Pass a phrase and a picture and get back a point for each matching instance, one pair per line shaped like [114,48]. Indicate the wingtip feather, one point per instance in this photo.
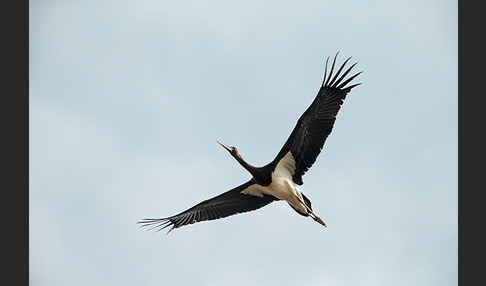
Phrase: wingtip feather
[332,69]
[325,72]
[343,85]
[339,71]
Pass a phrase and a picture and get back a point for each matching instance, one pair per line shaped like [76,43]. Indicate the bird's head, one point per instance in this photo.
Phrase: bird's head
[231,149]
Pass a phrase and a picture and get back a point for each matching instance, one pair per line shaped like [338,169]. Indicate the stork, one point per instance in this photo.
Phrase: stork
[279,179]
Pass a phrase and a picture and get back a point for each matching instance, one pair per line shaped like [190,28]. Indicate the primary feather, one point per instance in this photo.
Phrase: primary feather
[314,126]
[229,203]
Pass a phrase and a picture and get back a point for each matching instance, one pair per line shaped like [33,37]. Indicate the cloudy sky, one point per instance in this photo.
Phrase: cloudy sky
[128,98]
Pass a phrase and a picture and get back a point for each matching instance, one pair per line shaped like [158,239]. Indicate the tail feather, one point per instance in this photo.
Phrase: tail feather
[298,211]
[307,201]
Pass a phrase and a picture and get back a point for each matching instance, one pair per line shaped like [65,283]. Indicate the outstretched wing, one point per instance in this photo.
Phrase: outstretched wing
[305,143]
[228,203]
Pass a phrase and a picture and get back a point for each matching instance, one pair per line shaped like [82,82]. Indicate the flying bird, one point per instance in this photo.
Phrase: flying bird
[278,180]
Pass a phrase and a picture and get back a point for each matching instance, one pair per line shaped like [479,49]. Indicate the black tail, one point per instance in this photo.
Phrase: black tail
[307,201]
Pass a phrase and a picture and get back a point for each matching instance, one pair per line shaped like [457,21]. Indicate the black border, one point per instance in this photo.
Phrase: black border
[15,120]
[460,105]
[471,144]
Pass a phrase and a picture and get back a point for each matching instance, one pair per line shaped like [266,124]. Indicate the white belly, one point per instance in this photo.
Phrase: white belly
[284,189]
[281,188]
[282,185]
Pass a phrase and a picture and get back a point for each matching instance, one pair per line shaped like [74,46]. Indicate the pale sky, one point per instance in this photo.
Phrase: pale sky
[128,98]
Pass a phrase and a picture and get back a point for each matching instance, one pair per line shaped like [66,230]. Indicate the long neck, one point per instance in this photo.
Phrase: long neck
[252,169]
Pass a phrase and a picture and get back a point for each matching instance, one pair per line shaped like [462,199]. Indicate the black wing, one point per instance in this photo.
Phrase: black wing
[308,137]
[228,203]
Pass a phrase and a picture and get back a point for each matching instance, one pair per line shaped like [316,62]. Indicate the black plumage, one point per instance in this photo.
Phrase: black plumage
[228,203]
[304,145]
[316,123]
